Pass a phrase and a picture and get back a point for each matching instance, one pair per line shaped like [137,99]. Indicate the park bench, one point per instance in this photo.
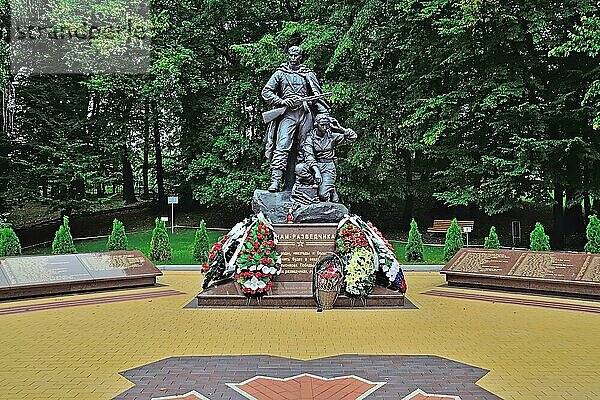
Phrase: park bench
[442,225]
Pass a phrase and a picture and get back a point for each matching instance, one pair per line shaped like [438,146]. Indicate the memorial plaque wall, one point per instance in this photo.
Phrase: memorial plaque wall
[39,275]
[301,246]
[562,272]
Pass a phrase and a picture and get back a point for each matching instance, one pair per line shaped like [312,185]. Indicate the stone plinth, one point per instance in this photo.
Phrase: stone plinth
[300,247]
[293,295]
[275,207]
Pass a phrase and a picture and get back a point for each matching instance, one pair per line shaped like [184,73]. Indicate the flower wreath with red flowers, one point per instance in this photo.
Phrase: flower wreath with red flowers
[221,257]
[257,262]
[214,253]
[350,236]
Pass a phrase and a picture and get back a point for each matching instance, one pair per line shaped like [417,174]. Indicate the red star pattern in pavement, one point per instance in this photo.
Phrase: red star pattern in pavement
[306,387]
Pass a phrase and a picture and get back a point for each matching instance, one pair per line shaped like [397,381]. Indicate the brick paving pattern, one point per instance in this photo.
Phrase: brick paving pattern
[87,302]
[77,351]
[210,375]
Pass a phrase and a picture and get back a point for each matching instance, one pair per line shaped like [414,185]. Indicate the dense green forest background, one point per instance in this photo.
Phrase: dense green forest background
[489,105]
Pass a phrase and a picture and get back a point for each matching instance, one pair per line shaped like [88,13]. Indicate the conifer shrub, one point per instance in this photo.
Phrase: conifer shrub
[414,247]
[593,235]
[63,241]
[492,241]
[160,246]
[538,240]
[454,240]
[201,244]
[118,238]
[9,241]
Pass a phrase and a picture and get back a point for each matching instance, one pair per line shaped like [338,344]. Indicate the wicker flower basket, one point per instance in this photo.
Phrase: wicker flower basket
[327,298]
[327,282]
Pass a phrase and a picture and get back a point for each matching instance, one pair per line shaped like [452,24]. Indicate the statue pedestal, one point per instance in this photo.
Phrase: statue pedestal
[300,247]
[275,207]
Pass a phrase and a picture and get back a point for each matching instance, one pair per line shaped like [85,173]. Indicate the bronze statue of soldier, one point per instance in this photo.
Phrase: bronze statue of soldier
[293,88]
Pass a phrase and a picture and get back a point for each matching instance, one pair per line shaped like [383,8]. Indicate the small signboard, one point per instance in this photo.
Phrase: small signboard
[164,219]
[173,200]
[516,232]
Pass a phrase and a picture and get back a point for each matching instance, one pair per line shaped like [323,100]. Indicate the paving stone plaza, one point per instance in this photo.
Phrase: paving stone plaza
[145,343]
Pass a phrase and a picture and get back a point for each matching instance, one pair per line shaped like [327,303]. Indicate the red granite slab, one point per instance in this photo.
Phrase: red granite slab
[301,246]
[554,272]
[27,276]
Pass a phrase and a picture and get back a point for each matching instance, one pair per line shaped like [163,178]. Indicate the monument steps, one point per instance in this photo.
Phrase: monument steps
[292,295]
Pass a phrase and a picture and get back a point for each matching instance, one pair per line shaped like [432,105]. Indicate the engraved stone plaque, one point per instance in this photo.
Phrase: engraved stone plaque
[38,275]
[564,272]
[3,280]
[301,246]
[116,264]
[43,269]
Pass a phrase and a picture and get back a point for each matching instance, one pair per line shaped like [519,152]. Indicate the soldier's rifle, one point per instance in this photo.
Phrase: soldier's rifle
[270,115]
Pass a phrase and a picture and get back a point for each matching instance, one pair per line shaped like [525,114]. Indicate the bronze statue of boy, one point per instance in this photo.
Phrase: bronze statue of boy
[320,162]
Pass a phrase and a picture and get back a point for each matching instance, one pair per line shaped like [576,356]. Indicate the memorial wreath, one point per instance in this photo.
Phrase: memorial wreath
[257,262]
[365,251]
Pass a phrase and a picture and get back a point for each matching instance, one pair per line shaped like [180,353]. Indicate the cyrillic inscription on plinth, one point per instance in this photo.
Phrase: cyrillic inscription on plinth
[300,247]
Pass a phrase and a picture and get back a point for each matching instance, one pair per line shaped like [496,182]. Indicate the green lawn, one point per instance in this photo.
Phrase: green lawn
[182,242]
[432,254]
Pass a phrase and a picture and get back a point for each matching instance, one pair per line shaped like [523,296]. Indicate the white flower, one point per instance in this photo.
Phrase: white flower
[393,271]
[255,283]
[269,270]
[252,268]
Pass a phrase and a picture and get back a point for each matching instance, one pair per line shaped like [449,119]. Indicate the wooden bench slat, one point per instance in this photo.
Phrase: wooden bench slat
[442,225]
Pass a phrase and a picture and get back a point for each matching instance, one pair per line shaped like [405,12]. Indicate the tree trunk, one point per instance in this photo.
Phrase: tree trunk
[44,185]
[573,215]
[128,180]
[128,188]
[587,207]
[409,197]
[100,192]
[145,163]
[595,206]
[78,189]
[557,239]
[158,156]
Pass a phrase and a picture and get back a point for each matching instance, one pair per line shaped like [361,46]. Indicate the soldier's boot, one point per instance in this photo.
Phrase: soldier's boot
[276,178]
[334,196]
